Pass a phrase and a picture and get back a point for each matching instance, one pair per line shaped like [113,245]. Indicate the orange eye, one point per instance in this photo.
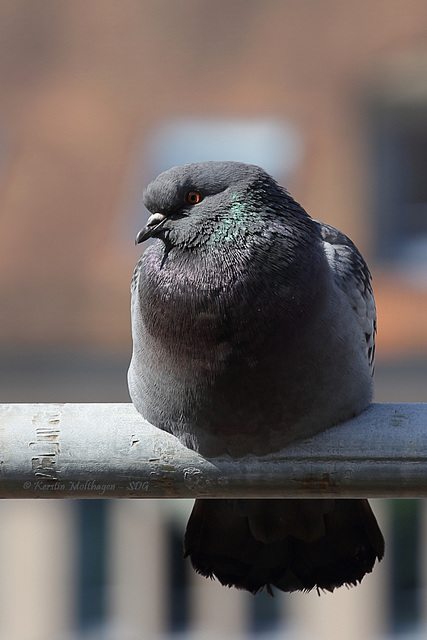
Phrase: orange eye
[193,197]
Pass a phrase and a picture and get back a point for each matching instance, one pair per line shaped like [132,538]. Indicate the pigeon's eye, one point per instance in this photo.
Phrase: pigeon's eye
[193,197]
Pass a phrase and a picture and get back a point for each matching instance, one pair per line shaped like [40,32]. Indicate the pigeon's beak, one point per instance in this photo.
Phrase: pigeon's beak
[154,222]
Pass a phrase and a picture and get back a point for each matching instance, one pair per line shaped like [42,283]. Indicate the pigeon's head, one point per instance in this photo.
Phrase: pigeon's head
[216,199]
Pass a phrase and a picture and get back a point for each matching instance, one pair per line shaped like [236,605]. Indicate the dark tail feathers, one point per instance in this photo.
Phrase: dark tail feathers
[294,545]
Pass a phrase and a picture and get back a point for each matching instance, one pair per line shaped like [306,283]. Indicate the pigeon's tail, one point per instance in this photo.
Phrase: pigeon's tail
[294,545]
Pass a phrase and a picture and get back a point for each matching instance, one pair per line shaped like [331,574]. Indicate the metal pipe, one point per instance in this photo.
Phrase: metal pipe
[109,451]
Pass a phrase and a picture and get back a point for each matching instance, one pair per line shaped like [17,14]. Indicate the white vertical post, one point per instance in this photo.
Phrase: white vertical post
[217,612]
[358,613]
[138,570]
[37,578]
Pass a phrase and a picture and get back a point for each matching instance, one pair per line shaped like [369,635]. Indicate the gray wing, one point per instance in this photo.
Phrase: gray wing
[352,275]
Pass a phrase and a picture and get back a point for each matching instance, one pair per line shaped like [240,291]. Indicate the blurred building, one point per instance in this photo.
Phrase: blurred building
[96,98]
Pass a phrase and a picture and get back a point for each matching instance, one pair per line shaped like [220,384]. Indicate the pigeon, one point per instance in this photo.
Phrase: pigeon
[253,326]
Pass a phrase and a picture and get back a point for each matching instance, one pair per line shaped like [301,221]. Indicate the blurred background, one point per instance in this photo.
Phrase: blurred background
[95,99]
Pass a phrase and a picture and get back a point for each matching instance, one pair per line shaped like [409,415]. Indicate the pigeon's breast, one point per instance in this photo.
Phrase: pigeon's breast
[218,309]
[223,353]
[192,303]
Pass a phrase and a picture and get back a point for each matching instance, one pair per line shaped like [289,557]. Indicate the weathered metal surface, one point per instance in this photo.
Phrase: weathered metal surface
[109,451]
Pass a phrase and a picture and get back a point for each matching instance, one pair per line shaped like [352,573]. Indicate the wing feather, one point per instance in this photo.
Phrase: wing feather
[352,275]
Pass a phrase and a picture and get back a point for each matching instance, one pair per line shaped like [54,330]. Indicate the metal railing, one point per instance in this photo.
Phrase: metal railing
[109,451]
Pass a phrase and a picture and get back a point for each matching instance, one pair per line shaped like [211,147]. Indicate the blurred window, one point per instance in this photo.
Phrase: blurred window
[270,143]
[400,186]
